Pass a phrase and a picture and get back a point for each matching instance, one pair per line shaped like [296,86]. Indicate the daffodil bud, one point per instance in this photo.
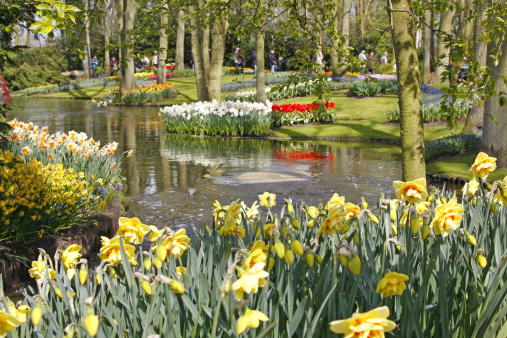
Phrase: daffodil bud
[37,313]
[295,223]
[145,285]
[279,248]
[503,191]
[372,217]
[487,186]
[493,208]
[157,262]
[271,263]
[71,273]
[364,204]
[482,260]
[443,200]
[470,238]
[297,247]
[414,221]
[58,292]
[425,230]
[290,207]
[225,288]
[91,322]
[398,247]
[354,264]
[319,259]
[392,212]
[160,251]
[474,201]
[431,196]
[345,227]
[147,263]
[343,260]
[83,273]
[310,258]
[289,257]
[285,227]
[356,237]
[394,229]
[176,287]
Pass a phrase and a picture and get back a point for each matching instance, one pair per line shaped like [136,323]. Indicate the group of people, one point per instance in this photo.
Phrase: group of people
[239,61]
[139,63]
[371,61]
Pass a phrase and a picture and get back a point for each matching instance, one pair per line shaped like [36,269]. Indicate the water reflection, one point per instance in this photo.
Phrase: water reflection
[175,179]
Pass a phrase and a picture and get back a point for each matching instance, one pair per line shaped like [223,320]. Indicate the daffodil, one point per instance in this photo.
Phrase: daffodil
[421,207]
[251,280]
[501,197]
[336,200]
[38,270]
[393,283]
[412,192]
[132,230]
[177,244]
[335,219]
[251,318]
[447,217]
[364,325]
[155,232]
[352,210]
[471,187]
[70,257]
[483,165]
[8,322]
[110,251]
[267,200]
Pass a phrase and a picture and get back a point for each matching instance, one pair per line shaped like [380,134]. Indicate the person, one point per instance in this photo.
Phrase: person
[383,59]
[146,61]
[462,75]
[191,60]
[154,60]
[371,63]
[272,60]
[362,58]
[241,63]
[95,64]
[283,65]
[138,64]
[254,61]
[112,65]
[236,61]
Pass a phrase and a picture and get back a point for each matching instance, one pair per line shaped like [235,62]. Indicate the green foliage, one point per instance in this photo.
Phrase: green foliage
[433,112]
[187,72]
[452,145]
[80,84]
[27,76]
[372,87]
[54,14]
[12,13]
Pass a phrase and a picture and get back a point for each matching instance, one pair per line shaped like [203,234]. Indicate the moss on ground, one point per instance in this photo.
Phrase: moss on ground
[459,166]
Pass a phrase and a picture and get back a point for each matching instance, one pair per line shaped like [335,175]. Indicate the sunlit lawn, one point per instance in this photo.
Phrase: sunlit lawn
[459,166]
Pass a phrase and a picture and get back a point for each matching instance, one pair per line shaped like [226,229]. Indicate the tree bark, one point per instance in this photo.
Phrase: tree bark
[179,59]
[107,60]
[446,20]
[200,75]
[476,114]
[260,85]
[335,45]
[494,137]
[214,75]
[409,90]
[427,40]
[347,6]
[162,56]
[87,58]
[126,37]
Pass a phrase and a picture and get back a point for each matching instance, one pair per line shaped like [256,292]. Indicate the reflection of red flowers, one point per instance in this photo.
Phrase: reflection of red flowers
[303,108]
[306,154]
[5,97]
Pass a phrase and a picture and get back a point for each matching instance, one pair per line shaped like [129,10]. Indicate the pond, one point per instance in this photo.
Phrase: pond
[175,179]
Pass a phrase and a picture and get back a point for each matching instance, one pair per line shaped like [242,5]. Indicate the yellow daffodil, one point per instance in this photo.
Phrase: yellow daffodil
[251,318]
[471,187]
[412,192]
[132,230]
[251,280]
[155,232]
[352,210]
[110,251]
[37,313]
[267,200]
[176,247]
[501,197]
[364,325]
[393,283]
[258,254]
[336,217]
[447,217]
[483,165]
[421,207]
[70,256]
[336,200]
[38,270]
[8,323]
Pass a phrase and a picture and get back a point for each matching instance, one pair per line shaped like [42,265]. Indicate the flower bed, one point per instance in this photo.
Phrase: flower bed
[377,76]
[154,76]
[452,145]
[218,118]
[370,88]
[433,113]
[138,76]
[51,182]
[187,72]
[420,266]
[233,86]
[143,94]
[289,114]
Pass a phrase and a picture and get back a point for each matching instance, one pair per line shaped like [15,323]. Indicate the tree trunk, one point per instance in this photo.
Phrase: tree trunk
[446,20]
[409,90]
[347,6]
[162,56]
[200,75]
[107,60]
[335,45]
[214,75]
[260,95]
[179,59]
[87,58]
[494,137]
[205,49]
[476,114]
[426,77]
[126,37]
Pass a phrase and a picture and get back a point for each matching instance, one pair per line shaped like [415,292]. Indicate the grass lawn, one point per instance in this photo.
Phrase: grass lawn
[85,93]
[458,166]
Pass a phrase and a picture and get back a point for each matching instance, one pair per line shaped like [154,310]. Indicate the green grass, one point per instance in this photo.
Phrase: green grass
[85,93]
[458,166]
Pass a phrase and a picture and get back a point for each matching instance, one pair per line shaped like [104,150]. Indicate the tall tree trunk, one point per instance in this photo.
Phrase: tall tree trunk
[433,43]
[126,37]
[260,85]
[427,76]
[214,75]
[107,60]
[494,137]
[205,49]
[467,25]
[162,56]
[179,59]
[200,75]
[476,114]
[347,6]
[409,90]
[87,58]
[446,20]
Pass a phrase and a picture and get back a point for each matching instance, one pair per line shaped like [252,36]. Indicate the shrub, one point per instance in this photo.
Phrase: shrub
[67,87]
[308,273]
[452,145]
[187,72]
[26,76]
[433,113]
[369,88]
[218,118]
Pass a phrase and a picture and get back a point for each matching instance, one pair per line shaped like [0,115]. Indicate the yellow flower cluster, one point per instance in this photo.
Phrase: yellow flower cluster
[150,89]
[136,75]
